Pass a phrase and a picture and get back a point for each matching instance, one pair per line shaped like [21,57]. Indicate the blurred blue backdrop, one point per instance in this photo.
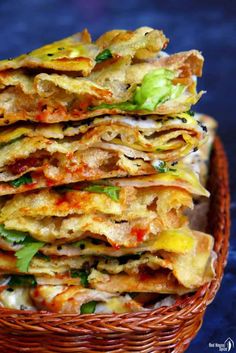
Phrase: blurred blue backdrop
[205,25]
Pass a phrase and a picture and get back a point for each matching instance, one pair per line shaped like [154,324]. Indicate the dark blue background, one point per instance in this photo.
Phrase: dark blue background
[205,25]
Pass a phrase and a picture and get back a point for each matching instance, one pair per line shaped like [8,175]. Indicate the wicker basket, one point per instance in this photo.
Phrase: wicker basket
[167,329]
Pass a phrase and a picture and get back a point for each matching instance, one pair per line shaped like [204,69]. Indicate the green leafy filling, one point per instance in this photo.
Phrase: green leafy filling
[162,167]
[25,255]
[22,280]
[29,249]
[13,236]
[104,55]
[83,275]
[112,191]
[156,88]
[88,308]
[24,179]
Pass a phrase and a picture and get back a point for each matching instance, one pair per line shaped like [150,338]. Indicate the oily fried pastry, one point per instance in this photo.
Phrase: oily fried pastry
[67,300]
[88,80]
[123,212]
[101,164]
[199,262]
[66,54]
[100,148]
[73,299]
[175,251]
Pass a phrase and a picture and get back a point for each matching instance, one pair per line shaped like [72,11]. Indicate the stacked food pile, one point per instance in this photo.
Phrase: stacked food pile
[93,188]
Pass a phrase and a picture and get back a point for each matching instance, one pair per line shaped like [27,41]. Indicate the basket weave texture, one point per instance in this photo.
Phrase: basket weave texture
[166,329]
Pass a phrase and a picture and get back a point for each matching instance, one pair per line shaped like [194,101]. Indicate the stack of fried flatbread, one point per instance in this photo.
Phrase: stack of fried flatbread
[94,183]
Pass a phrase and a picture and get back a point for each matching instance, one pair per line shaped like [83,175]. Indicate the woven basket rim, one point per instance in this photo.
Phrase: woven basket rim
[126,322]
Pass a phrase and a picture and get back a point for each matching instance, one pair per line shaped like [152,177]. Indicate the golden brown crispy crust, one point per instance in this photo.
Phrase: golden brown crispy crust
[132,202]
[69,299]
[157,272]
[179,177]
[198,261]
[66,299]
[160,282]
[99,148]
[77,52]
[63,95]
[59,55]
[143,43]
[136,240]
[166,139]
[92,164]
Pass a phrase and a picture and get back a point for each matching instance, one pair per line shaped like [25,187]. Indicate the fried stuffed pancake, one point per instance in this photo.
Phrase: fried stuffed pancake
[64,299]
[70,237]
[35,156]
[75,78]
[163,271]
[95,194]
[124,211]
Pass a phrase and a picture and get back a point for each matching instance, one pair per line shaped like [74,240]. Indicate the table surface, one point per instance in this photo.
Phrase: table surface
[205,25]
